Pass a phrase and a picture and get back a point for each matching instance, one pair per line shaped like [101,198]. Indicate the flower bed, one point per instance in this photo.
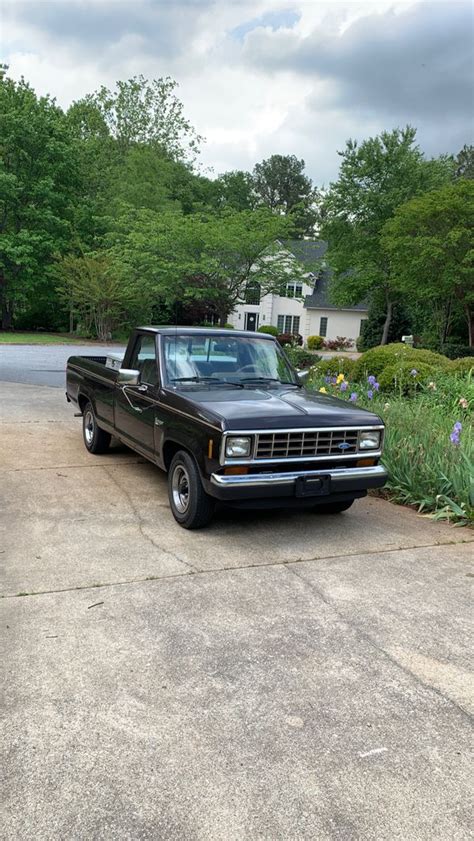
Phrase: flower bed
[429,440]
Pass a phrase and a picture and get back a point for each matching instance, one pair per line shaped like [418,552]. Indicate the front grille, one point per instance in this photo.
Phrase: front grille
[326,442]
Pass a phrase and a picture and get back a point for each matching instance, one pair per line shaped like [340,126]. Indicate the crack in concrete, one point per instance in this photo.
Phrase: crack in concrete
[214,570]
[141,523]
[71,466]
[370,640]
[46,420]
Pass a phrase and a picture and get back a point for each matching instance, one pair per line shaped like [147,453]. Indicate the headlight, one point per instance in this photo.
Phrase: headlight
[369,440]
[238,447]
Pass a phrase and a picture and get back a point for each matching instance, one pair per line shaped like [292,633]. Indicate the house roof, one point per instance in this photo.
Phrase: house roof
[306,250]
[319,299]
[309,251]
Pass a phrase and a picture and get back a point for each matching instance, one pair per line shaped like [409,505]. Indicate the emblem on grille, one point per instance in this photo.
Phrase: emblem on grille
[344,445]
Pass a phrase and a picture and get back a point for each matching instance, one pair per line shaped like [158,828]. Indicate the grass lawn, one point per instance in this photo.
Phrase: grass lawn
[12,338]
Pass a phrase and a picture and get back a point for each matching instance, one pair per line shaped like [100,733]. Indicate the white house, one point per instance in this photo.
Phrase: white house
[305,308]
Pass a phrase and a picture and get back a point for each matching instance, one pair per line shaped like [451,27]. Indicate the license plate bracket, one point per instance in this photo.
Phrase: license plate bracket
[312,486]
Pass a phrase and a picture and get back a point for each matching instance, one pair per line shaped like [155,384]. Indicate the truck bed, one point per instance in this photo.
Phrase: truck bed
[91,374]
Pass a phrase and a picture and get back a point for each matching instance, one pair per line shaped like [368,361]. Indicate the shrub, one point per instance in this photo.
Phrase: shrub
[456,350]
[292,339]
[228,326]
[339,343]
[462,366]
[268,328]
[403,377]
[374,361]
[315,342]
[333,367]
[300,358]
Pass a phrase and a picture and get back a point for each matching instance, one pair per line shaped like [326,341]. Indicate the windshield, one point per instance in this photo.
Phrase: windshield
[235,360]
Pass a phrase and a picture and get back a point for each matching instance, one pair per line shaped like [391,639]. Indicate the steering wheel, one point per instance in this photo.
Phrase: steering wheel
[248,369]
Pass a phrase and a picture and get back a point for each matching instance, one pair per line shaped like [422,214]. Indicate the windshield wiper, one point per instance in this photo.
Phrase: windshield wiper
[206,380]
[267,380]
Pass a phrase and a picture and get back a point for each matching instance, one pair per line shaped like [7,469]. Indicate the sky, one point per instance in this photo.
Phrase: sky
[264,77]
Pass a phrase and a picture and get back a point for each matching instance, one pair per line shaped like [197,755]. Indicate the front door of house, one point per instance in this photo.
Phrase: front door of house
[251,320]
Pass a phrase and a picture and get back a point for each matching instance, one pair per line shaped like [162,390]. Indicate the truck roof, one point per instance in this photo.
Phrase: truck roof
[169,330]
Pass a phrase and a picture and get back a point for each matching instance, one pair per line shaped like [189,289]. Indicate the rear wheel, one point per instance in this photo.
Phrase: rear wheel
[191,506]
[96,440]
[334,507]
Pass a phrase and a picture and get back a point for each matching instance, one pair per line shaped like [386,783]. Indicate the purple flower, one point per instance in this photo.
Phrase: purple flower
[376,386]
[353,397]
[455,434]
[333,380]
[343,386]
[327,380]
[413,372]
[370,394]
[371,380]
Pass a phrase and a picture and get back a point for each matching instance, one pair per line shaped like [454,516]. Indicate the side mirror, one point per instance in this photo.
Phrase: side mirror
[303,375]
[128,376]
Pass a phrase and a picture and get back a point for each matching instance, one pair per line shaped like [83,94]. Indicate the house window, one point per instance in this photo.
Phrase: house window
[252,292]
[288,323]
[323,326]
[294,289]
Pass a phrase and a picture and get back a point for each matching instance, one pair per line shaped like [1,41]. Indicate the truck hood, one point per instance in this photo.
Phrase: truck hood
[278,408]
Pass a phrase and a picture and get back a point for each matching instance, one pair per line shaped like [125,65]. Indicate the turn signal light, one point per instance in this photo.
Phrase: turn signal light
[235,471]
[365,462]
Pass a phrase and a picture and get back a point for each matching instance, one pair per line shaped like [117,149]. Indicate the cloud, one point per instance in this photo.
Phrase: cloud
[259,77]
[415,65]
[89,26]
[286,18]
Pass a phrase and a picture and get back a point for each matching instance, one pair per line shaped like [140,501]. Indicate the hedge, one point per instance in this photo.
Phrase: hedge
[374,361]
[315,342]
[268,328]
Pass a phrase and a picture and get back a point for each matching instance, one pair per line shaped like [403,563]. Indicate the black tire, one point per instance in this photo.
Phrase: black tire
[334,507]
[96,440]
[191,506]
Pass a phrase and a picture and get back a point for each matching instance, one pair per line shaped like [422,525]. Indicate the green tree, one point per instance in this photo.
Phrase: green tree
[235,190]
[374,179]
[205,257]
[280,184]
[464,162]
[38,187]
[97,290]
[143,111]
[430,245]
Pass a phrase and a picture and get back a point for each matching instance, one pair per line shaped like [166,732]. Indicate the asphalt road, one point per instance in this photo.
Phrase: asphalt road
[279,676]
[44,364]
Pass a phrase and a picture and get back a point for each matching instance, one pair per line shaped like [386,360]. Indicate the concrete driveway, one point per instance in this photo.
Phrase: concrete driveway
[278,676]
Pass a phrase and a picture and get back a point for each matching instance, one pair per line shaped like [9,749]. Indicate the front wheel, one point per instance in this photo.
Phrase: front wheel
[191,506]
[334,507]
[97,440]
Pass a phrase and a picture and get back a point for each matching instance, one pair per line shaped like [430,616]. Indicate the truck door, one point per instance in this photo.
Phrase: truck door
[135,406]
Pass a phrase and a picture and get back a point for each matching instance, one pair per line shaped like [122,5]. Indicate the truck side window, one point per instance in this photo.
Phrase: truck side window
[144,359]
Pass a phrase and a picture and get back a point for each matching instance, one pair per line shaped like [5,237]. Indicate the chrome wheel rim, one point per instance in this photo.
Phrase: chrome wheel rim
[89,427]
[180,488]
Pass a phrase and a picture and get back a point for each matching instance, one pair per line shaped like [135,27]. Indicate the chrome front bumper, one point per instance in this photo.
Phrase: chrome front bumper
[343,480]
